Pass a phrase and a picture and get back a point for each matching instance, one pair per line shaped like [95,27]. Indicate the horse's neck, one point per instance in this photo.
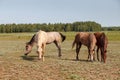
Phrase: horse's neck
[31,43]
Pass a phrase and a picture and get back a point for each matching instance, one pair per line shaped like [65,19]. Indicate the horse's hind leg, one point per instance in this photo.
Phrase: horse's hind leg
[59,48]
[78,46]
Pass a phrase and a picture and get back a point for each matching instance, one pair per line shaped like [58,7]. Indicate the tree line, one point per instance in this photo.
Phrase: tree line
[114,28]
[65,27]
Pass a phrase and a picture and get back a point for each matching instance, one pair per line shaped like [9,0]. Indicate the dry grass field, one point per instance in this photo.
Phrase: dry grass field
[15,66]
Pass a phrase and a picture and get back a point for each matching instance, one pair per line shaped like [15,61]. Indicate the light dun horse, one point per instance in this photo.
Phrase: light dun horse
[87,39]
[102,42]
[42,38]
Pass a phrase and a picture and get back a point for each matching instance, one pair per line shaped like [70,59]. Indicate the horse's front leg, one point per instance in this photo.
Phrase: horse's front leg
[94,54]
[39,52]
[39,55]
[105,56]
[43,51]
[91,52]
[91,56]
[88,54]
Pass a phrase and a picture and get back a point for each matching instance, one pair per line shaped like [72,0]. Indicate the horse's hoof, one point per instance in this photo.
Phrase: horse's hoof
[59,55]
[91,60]
[88,60]
[25,54]
[77,59]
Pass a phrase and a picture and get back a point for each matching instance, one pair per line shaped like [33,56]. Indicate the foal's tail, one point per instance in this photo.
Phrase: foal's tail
[63,37]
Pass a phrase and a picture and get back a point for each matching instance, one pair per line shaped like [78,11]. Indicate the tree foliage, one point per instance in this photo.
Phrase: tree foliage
[76,26]
[114,28]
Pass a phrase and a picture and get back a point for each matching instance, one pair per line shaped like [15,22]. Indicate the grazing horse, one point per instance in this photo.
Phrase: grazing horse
[87,39]
[41,38]
[102,42]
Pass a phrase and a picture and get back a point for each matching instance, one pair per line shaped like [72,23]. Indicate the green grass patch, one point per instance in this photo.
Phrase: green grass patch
[112,36]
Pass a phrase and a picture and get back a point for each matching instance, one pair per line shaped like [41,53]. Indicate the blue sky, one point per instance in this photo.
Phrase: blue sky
[105,12]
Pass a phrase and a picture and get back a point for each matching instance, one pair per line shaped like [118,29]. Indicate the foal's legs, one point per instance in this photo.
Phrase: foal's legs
[78,46]
[59,48]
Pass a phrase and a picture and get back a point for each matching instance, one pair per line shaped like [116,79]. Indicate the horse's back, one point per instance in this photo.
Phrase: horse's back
[85,38]
[53,36]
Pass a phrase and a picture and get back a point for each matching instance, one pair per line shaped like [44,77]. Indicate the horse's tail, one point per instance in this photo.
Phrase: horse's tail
[63,37]
[73,44]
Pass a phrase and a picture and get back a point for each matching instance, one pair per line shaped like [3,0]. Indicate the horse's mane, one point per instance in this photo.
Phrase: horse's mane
[63,37]
[32,39]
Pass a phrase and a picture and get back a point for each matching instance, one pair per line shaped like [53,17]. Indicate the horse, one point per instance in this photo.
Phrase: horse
[87,39]
[42,38]
[102,42]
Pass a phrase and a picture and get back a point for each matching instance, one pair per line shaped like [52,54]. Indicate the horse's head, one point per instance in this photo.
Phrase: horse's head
[28,48]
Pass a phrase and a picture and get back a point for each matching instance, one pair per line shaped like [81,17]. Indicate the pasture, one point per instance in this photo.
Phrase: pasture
[15,66]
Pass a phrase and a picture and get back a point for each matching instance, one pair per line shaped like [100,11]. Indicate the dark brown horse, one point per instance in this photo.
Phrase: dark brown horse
[87,39]
[102,43]
[41,38]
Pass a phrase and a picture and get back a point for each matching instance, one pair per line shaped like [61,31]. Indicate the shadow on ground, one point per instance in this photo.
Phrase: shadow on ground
[29,58]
